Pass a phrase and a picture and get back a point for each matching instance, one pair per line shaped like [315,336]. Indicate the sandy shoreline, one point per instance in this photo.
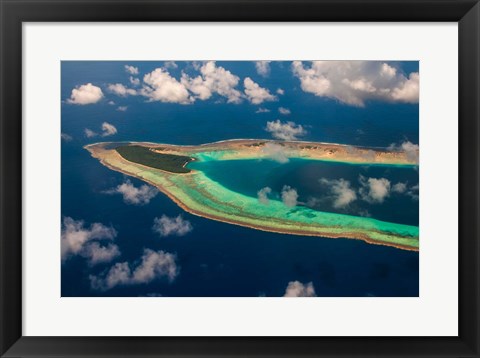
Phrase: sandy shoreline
[245,148]
[258,148]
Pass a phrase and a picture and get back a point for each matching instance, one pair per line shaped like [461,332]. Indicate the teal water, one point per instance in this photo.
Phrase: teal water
[247,177]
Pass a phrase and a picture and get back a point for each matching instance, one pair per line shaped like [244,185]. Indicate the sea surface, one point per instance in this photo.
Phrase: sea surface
[219,259]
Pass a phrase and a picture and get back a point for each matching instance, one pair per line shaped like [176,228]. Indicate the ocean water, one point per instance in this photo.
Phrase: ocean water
[218,259]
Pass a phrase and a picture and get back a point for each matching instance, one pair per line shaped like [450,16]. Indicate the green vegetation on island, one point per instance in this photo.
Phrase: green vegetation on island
[145,156]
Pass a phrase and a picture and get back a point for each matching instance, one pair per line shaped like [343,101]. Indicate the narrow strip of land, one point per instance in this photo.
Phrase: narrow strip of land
[163,166]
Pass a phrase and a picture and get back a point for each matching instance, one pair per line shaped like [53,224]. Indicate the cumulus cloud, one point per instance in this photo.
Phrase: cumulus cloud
[122,108]
[213,79]
[280,91]
[96,253]
[76,239]
[413,192]
[255,93]
[342,193]
[408,90]
[368,155]
[66,137]
[170,64]
[399,188]
[160,86]
[354,82]
[298,289]
[284,111]
[89,133]
[153,265]
[289,196]
[111,103]
[121,90]
[285,131]
[262,195]
[85,94]
[131,70]
[134,195]
[262,110]
[374,190]
[263,68]
[166,226]
[275,152]
[411,150]
[134,81]
[108,129]
[196,65]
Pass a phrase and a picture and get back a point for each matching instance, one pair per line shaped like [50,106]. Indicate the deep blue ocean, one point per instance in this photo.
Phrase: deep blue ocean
[218,259]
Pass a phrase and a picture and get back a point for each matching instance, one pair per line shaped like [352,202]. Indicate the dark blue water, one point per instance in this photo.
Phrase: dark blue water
[218,259]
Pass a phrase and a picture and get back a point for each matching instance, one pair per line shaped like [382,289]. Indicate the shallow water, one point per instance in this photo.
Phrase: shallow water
[249,176]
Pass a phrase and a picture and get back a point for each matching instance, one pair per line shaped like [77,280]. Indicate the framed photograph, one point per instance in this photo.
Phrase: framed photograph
[239,178]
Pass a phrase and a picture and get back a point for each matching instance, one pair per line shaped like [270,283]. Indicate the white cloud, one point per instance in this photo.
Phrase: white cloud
[354,82]
[89,133]
[289,196]
[413,192]
[374,190]
[155,264]
[97,254]
[262,195]
[196,65]
[399,188]
[343,194]
[85,94]
[134,195]
[298,289]
[121,90]
[152,266]
[213,79]
[275,152]
[255,93]
[131,70]
[118,274]
[262,110]
[403,188]
[160,86]
[66,137]
[368,155]
[134,81]
[122,108]
[411,150]
[166,226]
[170,64]
[285,131]
[201,88]
[280,91]
[387,71]
[108,129]
[284,111]
[408,90]
[76,239]
[263,68]
[111,103]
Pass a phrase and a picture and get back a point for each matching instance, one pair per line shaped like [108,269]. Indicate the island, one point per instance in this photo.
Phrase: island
[165,166]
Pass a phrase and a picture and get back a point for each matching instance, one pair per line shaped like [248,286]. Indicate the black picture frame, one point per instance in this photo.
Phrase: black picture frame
[15,12]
